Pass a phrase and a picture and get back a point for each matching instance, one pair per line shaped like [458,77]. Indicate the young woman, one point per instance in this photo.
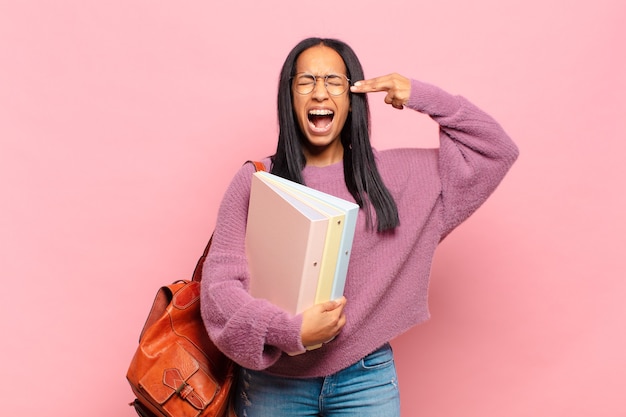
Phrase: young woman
[410,200]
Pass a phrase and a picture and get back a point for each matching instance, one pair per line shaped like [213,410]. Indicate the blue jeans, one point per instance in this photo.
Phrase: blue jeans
[367,388]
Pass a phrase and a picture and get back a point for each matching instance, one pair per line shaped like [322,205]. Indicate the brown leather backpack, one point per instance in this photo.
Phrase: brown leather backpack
[177,371]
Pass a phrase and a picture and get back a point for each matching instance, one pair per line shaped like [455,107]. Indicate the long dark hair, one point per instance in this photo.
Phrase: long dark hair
[360,171]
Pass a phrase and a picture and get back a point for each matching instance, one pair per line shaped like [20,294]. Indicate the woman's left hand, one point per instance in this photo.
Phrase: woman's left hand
[397,87]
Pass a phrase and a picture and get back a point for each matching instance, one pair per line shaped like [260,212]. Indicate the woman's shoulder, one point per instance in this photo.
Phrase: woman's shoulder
[248,168]
[241,180]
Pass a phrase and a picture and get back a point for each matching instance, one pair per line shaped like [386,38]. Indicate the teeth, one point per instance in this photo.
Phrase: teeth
[320,112]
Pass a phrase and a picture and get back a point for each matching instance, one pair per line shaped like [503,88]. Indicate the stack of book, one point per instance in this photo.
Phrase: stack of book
[298,242]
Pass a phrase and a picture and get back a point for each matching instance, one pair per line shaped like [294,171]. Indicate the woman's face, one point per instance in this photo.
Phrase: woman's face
[321,115]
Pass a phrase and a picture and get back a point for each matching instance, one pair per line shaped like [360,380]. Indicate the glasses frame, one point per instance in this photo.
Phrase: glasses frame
[325,78]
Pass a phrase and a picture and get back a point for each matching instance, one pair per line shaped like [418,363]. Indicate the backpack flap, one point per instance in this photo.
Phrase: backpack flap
[184,390]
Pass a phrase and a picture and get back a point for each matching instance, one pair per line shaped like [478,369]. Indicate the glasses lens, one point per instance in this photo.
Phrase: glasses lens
[304,83]
[336,84]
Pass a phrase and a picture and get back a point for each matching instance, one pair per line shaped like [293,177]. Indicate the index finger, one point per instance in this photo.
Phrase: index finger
[372,85]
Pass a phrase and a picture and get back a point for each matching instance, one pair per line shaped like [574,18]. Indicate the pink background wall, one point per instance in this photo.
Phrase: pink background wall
[121,123]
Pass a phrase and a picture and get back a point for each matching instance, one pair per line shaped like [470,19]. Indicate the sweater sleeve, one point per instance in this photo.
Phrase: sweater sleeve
[252,332]
[474,152]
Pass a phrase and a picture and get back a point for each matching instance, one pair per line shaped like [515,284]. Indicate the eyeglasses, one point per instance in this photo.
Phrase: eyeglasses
[336,84]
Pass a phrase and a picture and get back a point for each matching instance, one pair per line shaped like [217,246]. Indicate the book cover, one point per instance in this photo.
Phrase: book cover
[349,209]
[285,241]
[334,234]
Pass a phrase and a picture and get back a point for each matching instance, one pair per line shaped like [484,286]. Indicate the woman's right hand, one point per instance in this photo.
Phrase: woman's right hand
[322,322]
[397,87]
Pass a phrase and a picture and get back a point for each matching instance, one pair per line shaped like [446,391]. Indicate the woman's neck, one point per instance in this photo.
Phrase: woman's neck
[321,157]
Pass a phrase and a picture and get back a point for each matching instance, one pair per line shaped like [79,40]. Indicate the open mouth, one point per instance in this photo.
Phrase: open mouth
[320,119]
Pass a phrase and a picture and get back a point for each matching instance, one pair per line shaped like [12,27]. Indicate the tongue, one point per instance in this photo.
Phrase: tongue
[321,121]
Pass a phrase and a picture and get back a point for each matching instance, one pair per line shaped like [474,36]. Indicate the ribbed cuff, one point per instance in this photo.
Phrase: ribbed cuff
[283,331]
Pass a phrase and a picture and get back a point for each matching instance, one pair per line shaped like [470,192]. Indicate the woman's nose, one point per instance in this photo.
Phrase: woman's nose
[319,91]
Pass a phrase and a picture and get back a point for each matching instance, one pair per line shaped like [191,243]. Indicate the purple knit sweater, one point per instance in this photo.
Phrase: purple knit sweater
[388,275]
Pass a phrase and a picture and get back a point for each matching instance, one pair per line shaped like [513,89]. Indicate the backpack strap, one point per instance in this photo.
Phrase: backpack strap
[259,166]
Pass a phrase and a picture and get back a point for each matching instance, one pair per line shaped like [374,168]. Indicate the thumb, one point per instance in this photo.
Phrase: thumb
[334,304]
